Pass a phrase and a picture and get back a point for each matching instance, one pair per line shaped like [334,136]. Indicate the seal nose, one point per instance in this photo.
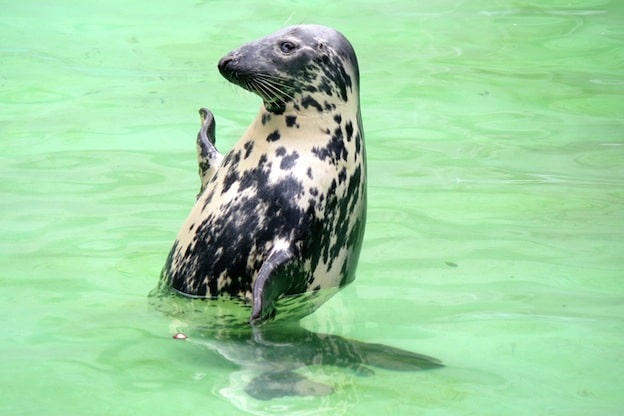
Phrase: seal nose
[224,63]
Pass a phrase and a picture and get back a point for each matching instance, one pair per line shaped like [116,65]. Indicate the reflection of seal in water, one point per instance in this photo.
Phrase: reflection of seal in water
[273,358]
[283,213]
[285,359]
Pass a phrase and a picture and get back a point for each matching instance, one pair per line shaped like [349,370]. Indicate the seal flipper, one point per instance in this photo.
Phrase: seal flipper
[208,157]
[267,286]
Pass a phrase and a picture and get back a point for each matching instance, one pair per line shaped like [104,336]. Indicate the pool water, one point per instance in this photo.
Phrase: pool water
[495,236]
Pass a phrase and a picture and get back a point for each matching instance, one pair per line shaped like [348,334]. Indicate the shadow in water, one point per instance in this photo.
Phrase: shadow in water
[277,351]
[274,356]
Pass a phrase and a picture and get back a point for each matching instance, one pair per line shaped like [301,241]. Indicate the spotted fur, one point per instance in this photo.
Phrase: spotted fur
[284,211]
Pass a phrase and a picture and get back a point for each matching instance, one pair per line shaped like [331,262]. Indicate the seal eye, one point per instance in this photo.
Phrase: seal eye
[287,46]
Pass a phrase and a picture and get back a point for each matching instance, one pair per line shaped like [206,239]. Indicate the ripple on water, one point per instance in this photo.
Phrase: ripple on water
[607,81]
[35,95]
[84,173]
[532,27]
[594,105]
[400,144]
[517,125]
[578,43]
[571,6]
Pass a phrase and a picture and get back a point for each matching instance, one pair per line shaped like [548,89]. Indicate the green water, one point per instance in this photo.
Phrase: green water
[495,240]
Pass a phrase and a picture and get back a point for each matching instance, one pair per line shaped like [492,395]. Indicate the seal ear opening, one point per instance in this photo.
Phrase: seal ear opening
[269,285]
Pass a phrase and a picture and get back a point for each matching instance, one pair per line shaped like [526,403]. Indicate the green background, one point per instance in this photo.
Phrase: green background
[495,141]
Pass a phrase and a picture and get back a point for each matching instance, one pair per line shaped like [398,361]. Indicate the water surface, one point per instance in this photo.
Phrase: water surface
[495,134]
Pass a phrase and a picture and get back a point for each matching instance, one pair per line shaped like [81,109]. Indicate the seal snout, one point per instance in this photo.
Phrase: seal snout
[233,68]
[225,64]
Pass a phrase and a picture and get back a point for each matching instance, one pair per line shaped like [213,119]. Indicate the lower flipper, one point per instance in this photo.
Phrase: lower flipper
[391,358]
[208,157]
[268,286]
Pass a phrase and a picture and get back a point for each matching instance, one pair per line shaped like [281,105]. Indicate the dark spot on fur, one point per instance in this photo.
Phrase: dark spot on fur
[335,148]
[338,133]
[232,159]
[266,117]
[273,136]
[326,86]
[204,166]
[291,121]
[309,101]
[231,177]
[248,148]
[289,161]
[342,176]
[349,130]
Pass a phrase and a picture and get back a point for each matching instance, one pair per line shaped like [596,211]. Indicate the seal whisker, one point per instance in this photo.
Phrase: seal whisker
[253,86]
[274,91]
[260,88]
[269,81]
[278,92]
[274,78]
[279,84]
[277,88]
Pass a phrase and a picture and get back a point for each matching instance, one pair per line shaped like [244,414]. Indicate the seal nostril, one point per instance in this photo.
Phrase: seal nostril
[225,62]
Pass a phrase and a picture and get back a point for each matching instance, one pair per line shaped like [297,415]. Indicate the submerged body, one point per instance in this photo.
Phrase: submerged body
[273,361]
[283,213]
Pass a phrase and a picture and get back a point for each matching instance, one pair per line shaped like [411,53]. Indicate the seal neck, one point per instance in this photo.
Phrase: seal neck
[312,106]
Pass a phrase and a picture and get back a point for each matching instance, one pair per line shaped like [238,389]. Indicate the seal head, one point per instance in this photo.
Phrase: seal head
[292,62]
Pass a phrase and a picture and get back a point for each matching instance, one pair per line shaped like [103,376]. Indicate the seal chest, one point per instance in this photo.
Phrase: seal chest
[283,213]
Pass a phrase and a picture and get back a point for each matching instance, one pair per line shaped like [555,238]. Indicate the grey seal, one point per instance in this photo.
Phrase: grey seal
[283,213]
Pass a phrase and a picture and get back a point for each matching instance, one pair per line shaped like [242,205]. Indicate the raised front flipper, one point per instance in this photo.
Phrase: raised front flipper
[208,158]
[269,285]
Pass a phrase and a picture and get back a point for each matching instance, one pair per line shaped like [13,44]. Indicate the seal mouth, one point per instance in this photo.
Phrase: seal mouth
[274,90]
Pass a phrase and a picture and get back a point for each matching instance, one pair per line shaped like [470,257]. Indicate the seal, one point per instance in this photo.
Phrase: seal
[284,212]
